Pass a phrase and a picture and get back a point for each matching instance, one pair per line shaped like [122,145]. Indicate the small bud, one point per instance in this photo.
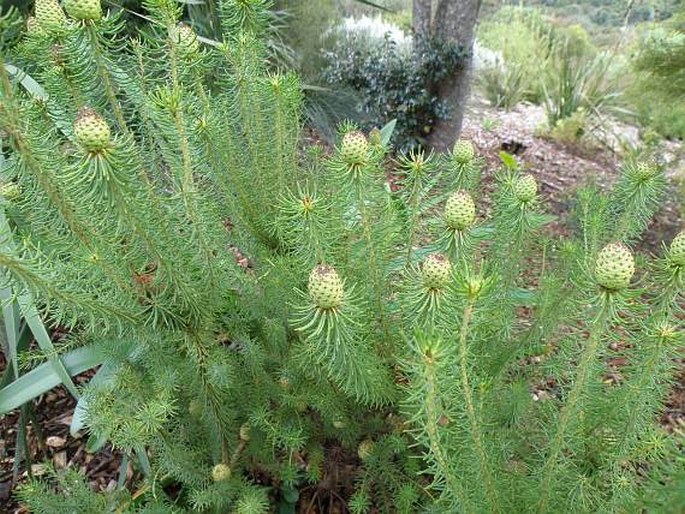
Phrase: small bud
[245,430]
[82,10]
[307,203]
[375,137]
[463,152]
[195,408]
[91,130]
[676,253]
[526,188]
[435,271]
[339,424]
[354,149]
[474,285]
[615,266]
[666,330]
[325,287]
[365,449]
[185,39]
[460,211]
[221,473]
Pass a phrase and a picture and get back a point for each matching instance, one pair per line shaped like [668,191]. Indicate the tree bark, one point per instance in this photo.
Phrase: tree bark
[454,22]
[422,17]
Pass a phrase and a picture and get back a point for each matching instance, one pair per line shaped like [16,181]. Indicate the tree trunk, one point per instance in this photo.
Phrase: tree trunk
[421,23]
[455,23]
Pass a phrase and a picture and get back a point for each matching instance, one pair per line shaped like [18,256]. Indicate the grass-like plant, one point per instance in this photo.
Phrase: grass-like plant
[253,305]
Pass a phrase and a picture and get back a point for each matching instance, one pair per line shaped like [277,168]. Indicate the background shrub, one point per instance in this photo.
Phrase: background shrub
[521,38]
[393,82]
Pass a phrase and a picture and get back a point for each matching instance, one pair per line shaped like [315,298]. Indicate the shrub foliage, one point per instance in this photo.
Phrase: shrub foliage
[394,82]
[256,304]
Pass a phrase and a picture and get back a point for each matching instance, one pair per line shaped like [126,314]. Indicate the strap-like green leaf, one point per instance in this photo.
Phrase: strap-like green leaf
[11,319]
[43,378]
[30,312]
[27,81]
[387,131]
[44,342]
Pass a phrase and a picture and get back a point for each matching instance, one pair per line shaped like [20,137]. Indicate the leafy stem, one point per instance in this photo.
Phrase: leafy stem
[104,76]
[432,417]
[473,416]
[551,468]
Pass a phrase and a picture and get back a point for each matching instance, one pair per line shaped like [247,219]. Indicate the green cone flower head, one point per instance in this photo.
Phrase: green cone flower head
[82,10]
[463,151]
[645,170]
[354,148]
[185,38]
[435,271]
[325,287]
[615,266]
[32,26]
[676,253]
[365,449]
[526,188]
[460,211]
[221,473]
[91,130]
[49,16]
[10,191]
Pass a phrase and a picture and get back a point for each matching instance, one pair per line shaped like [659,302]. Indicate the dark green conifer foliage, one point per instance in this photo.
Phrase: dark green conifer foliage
[256,303]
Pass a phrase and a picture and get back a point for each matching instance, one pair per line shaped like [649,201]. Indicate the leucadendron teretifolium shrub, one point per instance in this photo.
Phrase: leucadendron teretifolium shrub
[260,307]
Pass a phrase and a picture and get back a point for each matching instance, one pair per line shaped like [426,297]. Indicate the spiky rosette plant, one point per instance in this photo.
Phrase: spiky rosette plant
[458,217]
[421,175]
[303,220]
[435,272]
[634,199]
[10,191]
[365,449]
[426,298]
[464,165]
[645,170]
[333,339]
[355,162]
[221,473]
